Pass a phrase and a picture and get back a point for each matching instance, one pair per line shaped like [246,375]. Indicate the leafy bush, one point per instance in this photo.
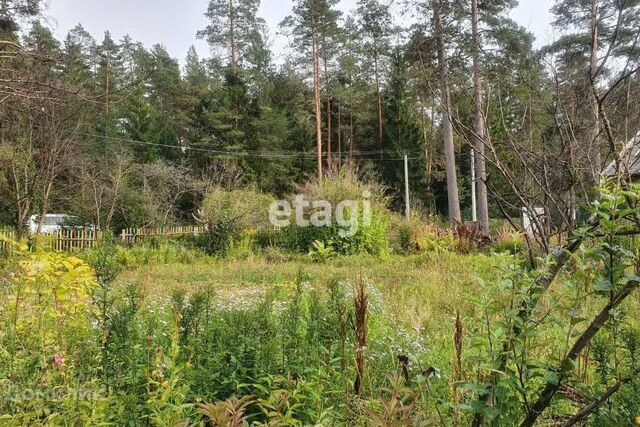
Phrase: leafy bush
[320,252]
[45,331]
[418,236]
[229,212]
[507,240]
[369,235]
[243,246]
[149,252]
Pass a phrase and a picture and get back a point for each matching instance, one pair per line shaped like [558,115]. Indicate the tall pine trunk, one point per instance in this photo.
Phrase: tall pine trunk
[339,134]
[318,108]
[329,134]
[326,90]
[480,131]
[351,143]
[447,126]
[232,37]
[376,73]
[594,144]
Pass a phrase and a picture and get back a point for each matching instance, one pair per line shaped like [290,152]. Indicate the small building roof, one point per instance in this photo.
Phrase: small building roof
[630,158]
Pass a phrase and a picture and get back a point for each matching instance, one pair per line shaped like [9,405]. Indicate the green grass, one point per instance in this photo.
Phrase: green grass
[414,300]
[205,329]
[421,291]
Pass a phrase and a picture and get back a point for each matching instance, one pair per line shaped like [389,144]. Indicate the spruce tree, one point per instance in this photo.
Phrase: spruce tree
[402,132]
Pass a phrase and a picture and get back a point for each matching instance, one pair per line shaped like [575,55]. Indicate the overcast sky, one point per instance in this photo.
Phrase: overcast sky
[174,23]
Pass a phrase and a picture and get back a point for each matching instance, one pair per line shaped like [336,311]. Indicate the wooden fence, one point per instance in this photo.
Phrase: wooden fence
[66,240]
[135,235]
[69,240]
[9,233]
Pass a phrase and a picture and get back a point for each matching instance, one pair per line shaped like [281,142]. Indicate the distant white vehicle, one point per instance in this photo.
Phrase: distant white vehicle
[55,222]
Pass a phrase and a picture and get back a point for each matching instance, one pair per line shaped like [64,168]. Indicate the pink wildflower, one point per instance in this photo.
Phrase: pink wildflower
[58,359]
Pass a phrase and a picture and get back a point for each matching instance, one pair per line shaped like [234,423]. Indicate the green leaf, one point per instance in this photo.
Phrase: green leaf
[568,365]
[577,320]
[603,285]
[472,387]
[552,377]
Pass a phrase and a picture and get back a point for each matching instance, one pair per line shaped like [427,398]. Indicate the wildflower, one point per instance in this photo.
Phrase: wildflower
[58,360]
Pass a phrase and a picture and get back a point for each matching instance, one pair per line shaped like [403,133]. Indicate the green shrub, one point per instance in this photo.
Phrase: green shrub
[158,252]
[227,213]
[243,246]
[508,240]
[419,236]
[368,237]
[320,252]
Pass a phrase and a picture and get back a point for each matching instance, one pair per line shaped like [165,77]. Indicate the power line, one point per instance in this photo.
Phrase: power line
[253,153]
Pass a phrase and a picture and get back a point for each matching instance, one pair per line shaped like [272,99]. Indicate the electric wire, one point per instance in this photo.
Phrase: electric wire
[284,154]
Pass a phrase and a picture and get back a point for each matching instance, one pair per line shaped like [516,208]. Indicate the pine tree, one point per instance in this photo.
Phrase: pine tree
[376,29]
[79,46]
[195,74]
[107,81]
[40,39]
[493,13]
[349,75]
[314,27]
[447,125]
[595,33]
[12,11]
[236,33]
[134,60]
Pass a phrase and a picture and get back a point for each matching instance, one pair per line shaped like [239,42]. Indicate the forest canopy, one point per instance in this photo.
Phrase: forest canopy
[123,135]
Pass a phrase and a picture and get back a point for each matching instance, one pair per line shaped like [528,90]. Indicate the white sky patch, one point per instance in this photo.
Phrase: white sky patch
[174,23]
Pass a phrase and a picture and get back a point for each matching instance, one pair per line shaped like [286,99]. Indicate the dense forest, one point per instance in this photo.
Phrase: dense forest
[121,135]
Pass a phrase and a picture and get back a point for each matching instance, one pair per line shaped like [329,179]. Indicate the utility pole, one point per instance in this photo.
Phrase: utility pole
[406,187]
[474,200]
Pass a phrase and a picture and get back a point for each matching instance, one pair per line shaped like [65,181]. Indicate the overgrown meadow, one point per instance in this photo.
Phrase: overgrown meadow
[401,324]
